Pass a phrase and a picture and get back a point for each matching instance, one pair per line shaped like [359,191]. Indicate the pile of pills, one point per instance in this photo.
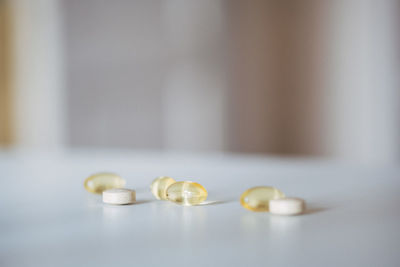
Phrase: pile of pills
[187,193]
[268,198]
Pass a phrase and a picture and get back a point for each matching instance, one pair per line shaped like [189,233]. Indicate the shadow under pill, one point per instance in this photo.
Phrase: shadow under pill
[314,209]
[215,202]
[138,202]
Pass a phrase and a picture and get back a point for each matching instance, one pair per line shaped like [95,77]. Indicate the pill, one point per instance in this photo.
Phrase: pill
[186,193]
[99,182]
[257,198]
[119,196]
[287,206]
[159,186]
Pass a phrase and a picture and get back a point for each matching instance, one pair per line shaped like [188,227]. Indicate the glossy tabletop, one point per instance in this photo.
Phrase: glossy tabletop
[48,219]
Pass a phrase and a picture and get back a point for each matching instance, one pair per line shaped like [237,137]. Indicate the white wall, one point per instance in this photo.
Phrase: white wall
[363,99]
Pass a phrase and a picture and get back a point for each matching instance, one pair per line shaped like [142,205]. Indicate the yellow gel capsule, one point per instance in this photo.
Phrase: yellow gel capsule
[99,182]
[257,198]
[159,186]
[186,193]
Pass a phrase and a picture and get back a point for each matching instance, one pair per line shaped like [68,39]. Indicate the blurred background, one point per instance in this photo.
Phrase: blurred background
[294,78]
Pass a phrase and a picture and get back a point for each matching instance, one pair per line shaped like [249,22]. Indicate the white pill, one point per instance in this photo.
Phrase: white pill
[119,196]
[286,206]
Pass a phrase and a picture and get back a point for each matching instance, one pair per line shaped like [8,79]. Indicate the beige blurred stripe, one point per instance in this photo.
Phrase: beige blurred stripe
[6,137]
[37,91]
[277,53]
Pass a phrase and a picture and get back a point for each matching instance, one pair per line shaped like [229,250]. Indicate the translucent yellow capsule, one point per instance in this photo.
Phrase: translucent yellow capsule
[186,193]
[159,186]
[99,182]
[257,198]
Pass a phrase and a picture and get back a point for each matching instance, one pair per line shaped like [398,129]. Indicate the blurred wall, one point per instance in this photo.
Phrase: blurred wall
[362,80]
[316,78]
[145,74]
[279,77]
[116,68]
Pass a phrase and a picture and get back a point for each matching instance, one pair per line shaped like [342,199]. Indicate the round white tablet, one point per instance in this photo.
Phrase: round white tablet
[287,206]
[119,196]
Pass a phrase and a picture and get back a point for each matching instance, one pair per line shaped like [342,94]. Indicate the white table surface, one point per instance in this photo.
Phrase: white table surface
[48,219]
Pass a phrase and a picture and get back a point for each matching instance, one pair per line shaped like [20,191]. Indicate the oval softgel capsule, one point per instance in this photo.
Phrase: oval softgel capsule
[258,198]
[159,186]
[186,193]
[99,182]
